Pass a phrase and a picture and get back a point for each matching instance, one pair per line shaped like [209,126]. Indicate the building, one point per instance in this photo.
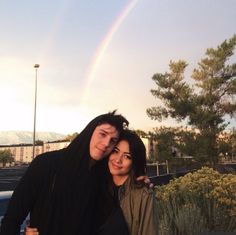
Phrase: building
[23,153]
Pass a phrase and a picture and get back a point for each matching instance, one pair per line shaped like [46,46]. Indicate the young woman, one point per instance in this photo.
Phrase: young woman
[137,202]
[125,206]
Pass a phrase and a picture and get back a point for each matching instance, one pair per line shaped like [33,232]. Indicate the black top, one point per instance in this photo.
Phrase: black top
[115,224]
[112,221]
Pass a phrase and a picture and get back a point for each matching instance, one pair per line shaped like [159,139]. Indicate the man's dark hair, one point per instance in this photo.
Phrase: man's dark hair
[81,142]
[116,120]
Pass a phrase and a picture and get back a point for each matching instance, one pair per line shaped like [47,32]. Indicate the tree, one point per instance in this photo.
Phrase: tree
[39,142]
[206,103]
[141,133]
[6,157]
[71,137]
[174,144]
[165,139]
[227,144]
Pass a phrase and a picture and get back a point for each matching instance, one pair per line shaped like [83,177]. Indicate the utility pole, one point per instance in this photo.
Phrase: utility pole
[36,66]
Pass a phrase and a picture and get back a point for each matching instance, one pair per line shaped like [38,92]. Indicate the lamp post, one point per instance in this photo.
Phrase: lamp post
[36,66]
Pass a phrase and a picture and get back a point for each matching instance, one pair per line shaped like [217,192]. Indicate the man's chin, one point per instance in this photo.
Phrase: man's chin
[97,158]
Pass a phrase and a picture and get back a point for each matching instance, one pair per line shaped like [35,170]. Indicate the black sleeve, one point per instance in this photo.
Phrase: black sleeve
[23,198]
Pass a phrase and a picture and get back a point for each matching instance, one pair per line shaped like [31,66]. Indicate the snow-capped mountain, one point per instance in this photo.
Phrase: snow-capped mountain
[26,137]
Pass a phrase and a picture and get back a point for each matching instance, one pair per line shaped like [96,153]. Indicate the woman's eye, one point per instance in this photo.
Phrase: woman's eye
[127,156]
[115,150]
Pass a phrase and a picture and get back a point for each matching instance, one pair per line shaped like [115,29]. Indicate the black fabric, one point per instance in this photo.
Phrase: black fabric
[32,193]
[115,224]
[110,219]
[73,197]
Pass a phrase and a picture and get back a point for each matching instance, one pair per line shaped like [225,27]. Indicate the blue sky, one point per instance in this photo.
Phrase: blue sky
[66,37]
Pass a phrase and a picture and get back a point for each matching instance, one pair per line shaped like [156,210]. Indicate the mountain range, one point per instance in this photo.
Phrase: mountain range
[26,137]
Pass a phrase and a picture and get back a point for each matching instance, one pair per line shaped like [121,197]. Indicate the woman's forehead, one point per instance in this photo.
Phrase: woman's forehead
[123,145]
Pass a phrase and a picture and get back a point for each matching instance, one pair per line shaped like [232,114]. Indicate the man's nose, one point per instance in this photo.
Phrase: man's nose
[106,142]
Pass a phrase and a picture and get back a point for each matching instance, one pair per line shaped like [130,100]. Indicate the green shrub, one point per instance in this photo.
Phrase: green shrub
[204,201]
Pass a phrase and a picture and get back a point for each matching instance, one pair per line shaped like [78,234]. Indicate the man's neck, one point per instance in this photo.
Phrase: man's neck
[92,162]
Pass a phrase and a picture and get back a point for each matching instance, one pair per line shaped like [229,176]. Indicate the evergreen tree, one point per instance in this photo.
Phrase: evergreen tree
[6,157]
[205,103]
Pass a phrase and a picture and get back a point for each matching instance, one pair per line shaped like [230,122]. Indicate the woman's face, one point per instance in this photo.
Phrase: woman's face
[120,160]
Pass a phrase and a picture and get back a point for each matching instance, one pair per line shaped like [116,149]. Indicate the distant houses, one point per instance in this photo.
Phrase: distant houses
[23,153]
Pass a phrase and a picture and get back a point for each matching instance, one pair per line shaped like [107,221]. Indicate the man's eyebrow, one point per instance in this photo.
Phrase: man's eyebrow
[104,130]
[107,132]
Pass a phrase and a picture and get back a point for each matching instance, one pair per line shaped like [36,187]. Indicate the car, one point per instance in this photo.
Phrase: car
[5,197]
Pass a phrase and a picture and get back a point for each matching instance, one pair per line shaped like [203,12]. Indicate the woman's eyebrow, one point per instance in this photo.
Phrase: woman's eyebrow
[127,153]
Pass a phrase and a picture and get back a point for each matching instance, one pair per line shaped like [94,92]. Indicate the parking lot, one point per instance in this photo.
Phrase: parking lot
[9,177]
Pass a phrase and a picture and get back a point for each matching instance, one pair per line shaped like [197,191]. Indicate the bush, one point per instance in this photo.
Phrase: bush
[204,201]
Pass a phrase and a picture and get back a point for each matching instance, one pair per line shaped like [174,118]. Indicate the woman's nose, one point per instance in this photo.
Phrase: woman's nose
[119,158]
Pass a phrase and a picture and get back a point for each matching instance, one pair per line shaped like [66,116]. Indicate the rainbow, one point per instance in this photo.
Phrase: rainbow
[98,55]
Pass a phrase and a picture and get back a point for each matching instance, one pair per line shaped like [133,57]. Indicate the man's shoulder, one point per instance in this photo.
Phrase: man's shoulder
[48,158]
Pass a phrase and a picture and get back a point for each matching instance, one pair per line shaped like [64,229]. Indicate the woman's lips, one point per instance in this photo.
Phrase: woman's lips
[115,166]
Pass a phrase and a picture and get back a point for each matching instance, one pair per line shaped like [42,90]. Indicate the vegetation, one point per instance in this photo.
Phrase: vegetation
[200,202]
[6,157]
[71,137]
[204,102]
[177,145]
[39,142]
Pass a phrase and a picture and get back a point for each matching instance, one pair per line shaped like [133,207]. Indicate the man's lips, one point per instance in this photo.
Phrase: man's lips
[101,150]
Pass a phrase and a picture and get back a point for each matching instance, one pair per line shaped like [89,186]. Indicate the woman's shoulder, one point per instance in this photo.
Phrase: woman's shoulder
[137,189]
[143,190]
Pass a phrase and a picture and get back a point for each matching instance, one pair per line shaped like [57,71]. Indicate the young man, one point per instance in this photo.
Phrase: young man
[59,189]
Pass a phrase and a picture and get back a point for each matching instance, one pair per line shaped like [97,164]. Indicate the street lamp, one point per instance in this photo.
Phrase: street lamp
[36,66]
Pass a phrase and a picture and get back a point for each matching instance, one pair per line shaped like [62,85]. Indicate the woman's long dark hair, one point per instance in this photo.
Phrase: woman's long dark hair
[107,201]
[74,190]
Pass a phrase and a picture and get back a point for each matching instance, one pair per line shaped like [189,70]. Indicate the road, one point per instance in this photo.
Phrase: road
[9,177]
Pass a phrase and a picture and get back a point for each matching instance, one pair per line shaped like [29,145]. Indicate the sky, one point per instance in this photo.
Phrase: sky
[97,56]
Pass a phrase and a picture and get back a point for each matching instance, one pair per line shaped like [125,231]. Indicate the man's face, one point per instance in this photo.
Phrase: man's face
[103,140]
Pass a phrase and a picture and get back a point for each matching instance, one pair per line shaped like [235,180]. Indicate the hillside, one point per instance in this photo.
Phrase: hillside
[26,137]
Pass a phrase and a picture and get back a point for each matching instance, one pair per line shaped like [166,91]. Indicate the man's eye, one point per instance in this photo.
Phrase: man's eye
[102,134]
